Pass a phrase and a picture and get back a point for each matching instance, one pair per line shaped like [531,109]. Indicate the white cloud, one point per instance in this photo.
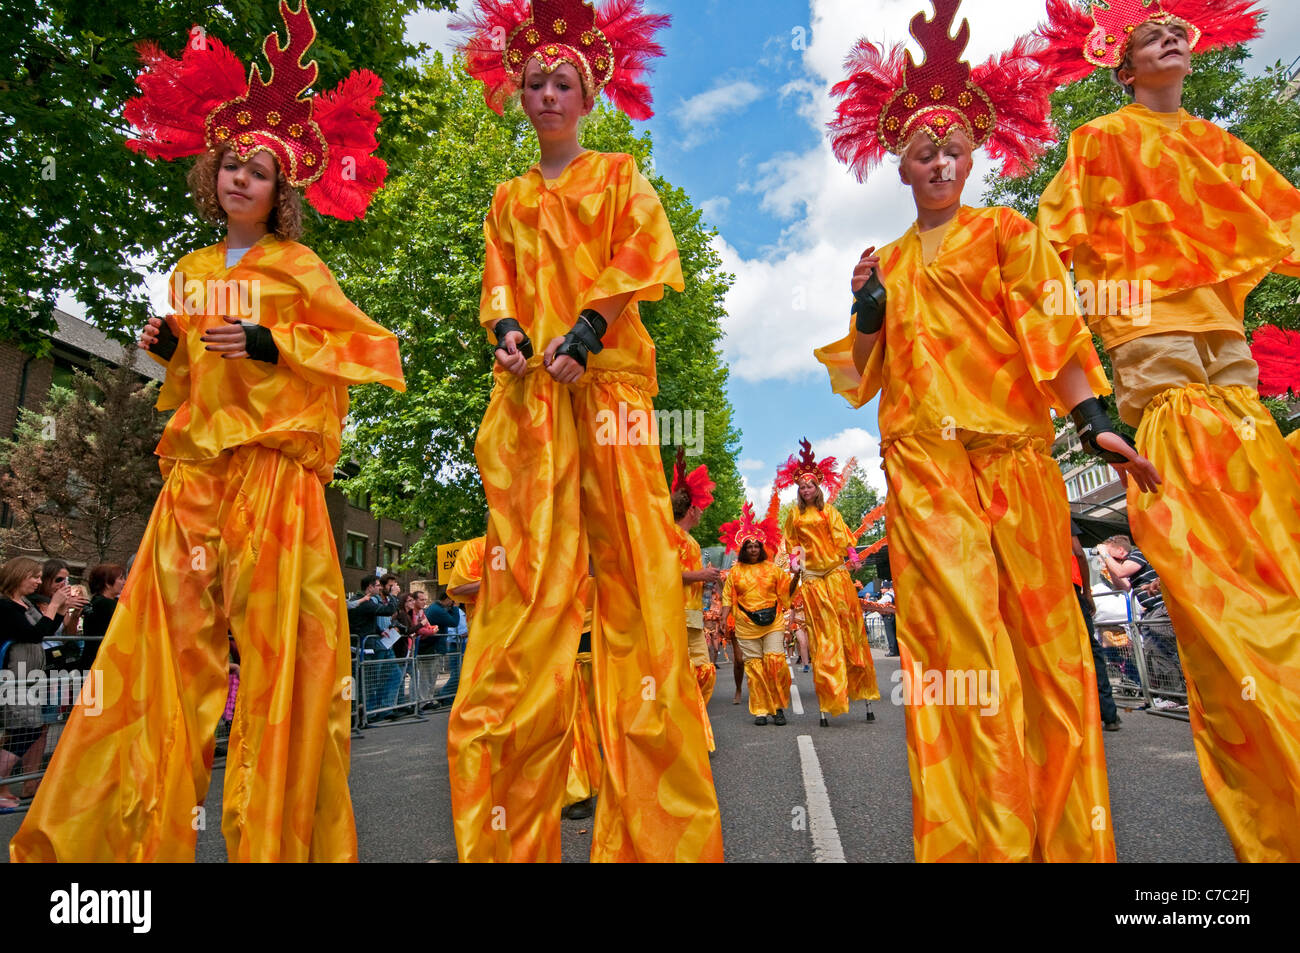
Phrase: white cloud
[750,464]
[715,209]
[698,115]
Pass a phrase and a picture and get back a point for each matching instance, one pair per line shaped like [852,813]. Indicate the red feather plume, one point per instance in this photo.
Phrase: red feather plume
[696,483]
[490,24]
[348,120]
[1277,352]
[631,32]
[1020,90]
[177,96]
[855,130]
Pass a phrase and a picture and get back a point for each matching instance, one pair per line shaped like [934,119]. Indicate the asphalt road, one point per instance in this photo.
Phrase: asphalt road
[402,805]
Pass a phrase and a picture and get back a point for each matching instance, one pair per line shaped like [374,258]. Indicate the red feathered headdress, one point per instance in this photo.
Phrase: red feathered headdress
[735,534]
[1079,41]
[887,99]
[202,101]
[696,483]
[1277,353]
[805,468]
[610,48]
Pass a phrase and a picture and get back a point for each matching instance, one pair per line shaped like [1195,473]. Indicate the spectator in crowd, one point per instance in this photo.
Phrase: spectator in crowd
[59,651]
[376,602]
[449,620]
[889,618]
[1082,577]
[105,582]
[24,628]
[1129,570]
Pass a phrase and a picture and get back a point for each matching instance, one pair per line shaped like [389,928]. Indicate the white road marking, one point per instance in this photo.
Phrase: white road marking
[796,703]
[826,836]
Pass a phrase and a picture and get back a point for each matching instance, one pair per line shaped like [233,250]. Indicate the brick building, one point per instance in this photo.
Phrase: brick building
[364,541]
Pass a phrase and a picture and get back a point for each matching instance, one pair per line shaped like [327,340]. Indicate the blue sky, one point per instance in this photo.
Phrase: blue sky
[741,99]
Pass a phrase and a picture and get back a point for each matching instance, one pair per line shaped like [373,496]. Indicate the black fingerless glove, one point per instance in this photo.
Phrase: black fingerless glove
[869,306]
[504,327]
[259,344]
[1090,420]
[165,345]
[584,337]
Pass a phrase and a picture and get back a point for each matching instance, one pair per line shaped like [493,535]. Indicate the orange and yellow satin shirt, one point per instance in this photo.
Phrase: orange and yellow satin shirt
[965,347]
[756,586]
[692,560]
[1192,214]
[822,533]
[595,232]
[297,405]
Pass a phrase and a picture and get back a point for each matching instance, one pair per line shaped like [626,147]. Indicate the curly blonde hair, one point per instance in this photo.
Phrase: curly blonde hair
[286,214]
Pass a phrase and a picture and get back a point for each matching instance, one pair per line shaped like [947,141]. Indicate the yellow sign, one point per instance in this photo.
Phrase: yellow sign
[447,560]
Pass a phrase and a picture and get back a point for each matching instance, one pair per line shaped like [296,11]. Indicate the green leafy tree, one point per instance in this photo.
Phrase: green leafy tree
[1252,108]
[79,213]
[80,477]
[421,276]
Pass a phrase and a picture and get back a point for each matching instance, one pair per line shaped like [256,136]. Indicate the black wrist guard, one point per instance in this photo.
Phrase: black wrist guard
[504,327]
[869,306]
[165,346]
[1090,420]
[584,337]
[259,344]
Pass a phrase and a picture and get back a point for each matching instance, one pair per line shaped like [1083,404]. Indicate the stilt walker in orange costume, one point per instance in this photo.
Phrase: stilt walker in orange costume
[572,246]
[843,670]
[1188,219]
[954,326]
[239,540]
[692,494]
[759,591]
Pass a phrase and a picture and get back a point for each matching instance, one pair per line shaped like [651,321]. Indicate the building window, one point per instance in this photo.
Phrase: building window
[392,554]
[355,556]
[360,499]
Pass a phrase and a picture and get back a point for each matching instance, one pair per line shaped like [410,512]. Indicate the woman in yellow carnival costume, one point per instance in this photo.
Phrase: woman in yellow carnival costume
[1187,220]
[692,494]
[954,327]
[572,245]
[239,540]
[759,592]
[843,670]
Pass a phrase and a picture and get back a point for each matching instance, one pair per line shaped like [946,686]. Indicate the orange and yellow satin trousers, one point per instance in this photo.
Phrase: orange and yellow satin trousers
[583,780]
[843,670]
[1224,535]
[706,675]
[1004,739]
[242,544]
[559,478]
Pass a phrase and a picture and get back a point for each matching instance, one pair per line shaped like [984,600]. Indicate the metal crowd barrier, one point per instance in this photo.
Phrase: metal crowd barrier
[1143,665]
[387,689]
[47,696]
[876,636]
